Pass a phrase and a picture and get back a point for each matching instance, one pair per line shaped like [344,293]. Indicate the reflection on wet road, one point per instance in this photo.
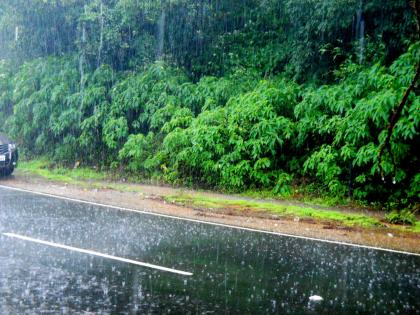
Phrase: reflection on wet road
[46,266]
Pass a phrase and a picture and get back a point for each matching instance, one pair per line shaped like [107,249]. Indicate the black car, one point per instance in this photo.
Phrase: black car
[8,155]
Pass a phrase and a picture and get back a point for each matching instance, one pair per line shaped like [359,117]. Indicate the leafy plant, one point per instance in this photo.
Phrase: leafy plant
[405,217]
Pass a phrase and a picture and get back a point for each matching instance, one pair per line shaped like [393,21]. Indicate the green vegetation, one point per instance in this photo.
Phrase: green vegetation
[287,211]
[402,217]
[279,210]
[227,95]
[42,168]
[82,176]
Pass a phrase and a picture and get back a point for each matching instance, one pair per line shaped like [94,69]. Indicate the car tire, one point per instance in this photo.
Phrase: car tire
[7,171]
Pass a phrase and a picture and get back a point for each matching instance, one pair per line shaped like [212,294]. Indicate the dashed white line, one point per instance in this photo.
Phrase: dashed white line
[95,253]
[209,223]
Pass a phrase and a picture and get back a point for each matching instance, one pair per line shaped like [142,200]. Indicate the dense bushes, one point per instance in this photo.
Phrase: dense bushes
[242,144]
[350,124]
[235,132]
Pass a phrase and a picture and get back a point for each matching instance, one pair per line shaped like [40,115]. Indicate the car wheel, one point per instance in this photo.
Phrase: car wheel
[7,171]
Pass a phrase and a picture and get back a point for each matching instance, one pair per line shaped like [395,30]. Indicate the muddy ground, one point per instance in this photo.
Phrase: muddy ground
[151,198]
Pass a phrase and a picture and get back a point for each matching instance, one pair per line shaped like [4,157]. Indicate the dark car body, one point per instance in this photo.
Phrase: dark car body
[8,155]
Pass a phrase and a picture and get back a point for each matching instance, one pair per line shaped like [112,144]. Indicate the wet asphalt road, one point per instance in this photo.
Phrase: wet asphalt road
[233,271]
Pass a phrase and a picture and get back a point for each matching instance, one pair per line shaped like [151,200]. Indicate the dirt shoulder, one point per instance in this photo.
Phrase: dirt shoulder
[158,199]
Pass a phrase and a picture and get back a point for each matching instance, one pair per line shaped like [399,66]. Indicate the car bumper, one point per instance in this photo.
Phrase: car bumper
[8,159]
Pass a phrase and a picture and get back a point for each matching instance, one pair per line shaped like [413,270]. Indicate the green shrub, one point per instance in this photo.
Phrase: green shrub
[405,217]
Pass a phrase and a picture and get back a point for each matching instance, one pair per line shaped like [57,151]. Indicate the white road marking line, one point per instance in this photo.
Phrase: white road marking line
[95,253]
[210,223]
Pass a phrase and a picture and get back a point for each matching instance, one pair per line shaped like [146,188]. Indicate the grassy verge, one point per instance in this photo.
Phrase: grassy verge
[81,177]
[42,168]
[305,195]
[91,179]
[287,211]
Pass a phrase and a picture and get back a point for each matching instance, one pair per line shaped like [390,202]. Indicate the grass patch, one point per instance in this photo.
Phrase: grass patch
[42,168]
[288,211]
[301,194]
[415,228]
[277,209]
[82,177]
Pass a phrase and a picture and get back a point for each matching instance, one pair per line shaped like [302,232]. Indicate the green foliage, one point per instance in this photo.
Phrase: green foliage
[306,39]
[236,145]
[283,185]
[405,217]
[324,164]
[206,92]
[115,132]
[45,113]
[6,92]
[136,151]
[342,125]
